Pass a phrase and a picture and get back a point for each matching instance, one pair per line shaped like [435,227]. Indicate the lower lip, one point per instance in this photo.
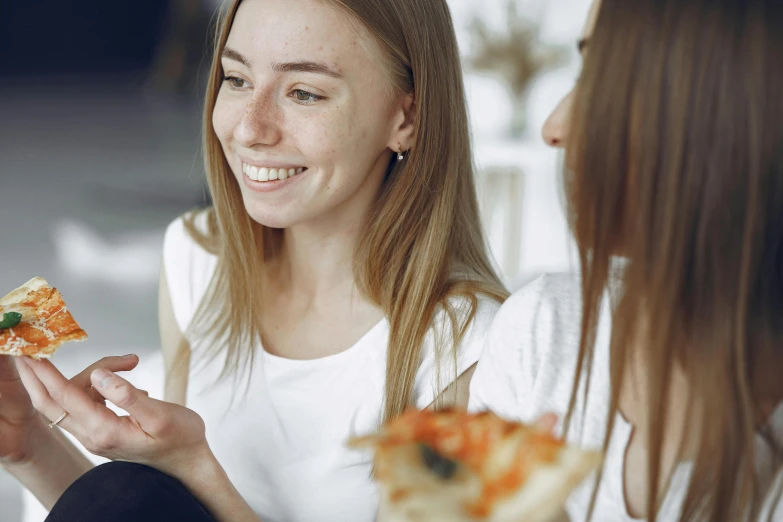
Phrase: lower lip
[271,186]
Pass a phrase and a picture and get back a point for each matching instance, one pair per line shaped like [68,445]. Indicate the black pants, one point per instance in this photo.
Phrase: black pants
[125,492]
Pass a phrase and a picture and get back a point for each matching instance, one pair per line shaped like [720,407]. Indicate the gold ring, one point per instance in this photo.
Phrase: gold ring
[59,420]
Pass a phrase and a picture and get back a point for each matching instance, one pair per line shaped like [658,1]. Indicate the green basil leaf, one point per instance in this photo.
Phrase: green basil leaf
[10,320]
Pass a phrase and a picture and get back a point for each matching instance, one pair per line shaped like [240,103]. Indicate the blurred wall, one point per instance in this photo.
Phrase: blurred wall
[49,37]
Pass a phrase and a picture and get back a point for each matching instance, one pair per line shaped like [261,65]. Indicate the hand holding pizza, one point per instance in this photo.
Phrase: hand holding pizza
[35,322]
[21,427]
[162,435]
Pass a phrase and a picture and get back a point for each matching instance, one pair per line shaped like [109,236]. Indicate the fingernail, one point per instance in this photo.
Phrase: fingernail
[101,377]
[129,356]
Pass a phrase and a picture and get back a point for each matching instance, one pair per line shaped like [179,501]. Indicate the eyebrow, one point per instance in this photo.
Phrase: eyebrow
[308,67]
[581,45]
[231,54]
[301,66]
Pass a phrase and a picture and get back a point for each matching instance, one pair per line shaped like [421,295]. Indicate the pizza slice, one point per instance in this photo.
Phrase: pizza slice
[459,467]
[35,322]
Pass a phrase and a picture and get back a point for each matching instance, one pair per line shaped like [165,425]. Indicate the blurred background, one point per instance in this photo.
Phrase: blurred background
[100,122]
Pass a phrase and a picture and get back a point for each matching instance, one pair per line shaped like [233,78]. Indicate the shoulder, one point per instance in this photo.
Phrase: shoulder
[549,308]
[453,344]
[180,239]
[476,313]
[187,264]
[190,230]
[531,346]
[465,319]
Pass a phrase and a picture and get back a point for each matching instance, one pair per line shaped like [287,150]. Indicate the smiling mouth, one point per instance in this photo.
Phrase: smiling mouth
[264,174]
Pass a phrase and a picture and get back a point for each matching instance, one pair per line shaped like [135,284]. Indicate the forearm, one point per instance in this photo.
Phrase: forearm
[52,467]
[208,482]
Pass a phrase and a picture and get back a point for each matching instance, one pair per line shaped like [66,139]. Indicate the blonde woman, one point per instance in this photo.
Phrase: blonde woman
[671,361]
[340,278]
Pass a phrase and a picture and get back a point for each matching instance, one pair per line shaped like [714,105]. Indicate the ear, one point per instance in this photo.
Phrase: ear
[402,124]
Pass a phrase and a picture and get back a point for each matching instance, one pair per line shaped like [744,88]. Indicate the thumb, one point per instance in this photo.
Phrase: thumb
[123,394]
[546,423]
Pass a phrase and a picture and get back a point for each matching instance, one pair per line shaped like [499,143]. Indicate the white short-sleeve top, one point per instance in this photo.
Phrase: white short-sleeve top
[282,440]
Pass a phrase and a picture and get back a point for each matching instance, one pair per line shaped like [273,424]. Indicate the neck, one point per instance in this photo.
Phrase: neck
[314,259]
[634,400]
[317,256]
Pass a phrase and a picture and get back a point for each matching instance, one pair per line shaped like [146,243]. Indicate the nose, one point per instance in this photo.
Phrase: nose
[556,128]
[260,122]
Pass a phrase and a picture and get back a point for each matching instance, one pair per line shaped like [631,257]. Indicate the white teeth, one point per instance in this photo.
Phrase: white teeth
[267,174]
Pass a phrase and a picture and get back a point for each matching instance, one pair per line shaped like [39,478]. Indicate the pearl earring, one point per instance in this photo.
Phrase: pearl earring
[400,157]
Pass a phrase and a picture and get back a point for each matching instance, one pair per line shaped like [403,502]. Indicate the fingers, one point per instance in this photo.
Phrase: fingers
[96,396]
[124,395]
[125,363]
[114,364]
[546,422]
[100,399]
[97,427]
[38,393]
[52,394]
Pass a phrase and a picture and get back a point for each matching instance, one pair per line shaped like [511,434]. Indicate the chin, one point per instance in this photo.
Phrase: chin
[269,220]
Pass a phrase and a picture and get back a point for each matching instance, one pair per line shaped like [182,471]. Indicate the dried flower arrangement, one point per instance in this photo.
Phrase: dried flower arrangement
[516,54]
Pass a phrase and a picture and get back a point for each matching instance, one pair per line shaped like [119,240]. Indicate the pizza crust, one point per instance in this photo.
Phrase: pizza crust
[548,488]
[16,296]
[12,301]
[46,322]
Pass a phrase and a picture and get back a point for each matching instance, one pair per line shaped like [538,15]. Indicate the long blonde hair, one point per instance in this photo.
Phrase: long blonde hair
[423,242]
[676,162]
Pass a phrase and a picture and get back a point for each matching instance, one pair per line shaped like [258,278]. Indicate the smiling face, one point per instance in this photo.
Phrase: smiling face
[304,115]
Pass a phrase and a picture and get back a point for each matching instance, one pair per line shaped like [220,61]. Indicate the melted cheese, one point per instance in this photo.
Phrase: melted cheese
[40,325]
[15,344]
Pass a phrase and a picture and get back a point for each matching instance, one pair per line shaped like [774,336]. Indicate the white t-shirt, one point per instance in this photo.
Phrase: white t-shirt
[282,443]
[527,369]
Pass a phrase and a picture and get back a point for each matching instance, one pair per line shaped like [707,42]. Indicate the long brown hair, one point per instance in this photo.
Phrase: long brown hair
[675,161]
[422,244]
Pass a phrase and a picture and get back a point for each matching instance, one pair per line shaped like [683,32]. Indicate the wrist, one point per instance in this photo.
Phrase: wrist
[200,470]
[209,483]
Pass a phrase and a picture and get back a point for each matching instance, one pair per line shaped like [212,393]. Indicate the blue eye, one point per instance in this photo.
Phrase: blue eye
[234,82]
[305,97]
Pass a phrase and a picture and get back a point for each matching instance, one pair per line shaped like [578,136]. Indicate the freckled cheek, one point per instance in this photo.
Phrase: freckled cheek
[324,139]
